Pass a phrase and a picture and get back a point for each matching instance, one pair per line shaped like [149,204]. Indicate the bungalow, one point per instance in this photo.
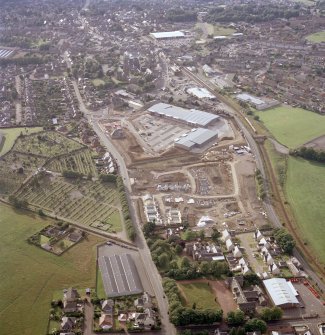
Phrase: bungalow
[225,235]
[237,253]
[70,297]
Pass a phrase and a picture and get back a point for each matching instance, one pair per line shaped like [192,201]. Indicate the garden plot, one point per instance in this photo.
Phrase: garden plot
[80,161]
[46,144]
[85,202]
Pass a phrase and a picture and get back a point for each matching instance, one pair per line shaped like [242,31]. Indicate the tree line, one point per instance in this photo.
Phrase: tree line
[309,153]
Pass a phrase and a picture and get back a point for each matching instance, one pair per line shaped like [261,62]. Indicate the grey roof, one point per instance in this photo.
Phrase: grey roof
[192,116]
[120,276]
[280,292]
[197,137]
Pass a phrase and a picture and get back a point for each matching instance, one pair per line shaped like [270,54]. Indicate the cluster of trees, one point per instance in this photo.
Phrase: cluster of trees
[18,203]
[310,154]
[165,255]
[182,316]
[285,240]
[181,15]
[271,314]
[260,184]
[108,178]
[72,174]
[252,13]
[129,227]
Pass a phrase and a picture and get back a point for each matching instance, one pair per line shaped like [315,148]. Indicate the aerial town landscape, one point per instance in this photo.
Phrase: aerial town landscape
[162,167]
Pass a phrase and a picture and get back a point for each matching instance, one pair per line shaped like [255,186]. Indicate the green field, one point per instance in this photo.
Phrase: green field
[215,30]
[10,135]
[293,126]
[199,293]
[98,82]
[305,191]
[29,276]
[317,37]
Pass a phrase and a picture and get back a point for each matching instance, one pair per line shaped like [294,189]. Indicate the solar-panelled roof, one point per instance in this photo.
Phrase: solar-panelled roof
[280,292]
[191,116]
[120,276]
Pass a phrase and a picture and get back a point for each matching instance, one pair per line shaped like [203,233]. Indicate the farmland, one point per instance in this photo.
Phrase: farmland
[10,135]
[32,275]
[200,294]
[87,202]
[305,192]
[292,126]
[317,37]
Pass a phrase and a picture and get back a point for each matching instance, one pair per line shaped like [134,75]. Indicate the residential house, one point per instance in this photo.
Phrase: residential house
[145,301]
[68,323]
[106,321]
[70,298]
[108,306]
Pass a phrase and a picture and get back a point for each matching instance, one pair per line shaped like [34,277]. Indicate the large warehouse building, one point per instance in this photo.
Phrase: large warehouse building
[120,275]
[281,293]
[192,117]
[164,35]
[196,138]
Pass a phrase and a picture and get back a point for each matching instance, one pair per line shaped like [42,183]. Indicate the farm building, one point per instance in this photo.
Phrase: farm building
[165,35]
[281,293]
[120,275]
[192,117]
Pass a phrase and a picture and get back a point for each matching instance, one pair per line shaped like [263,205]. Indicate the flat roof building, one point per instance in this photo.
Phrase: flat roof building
[120,275]
[192,117]
[200,93]
[281,293]
[167,34]
[196,138]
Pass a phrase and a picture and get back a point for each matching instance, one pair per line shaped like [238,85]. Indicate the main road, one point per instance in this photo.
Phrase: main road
[152,272]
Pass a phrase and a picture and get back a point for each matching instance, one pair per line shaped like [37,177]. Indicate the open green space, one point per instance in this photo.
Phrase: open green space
[200,294]
[215,30]
[316,37]
[29,276]
[100,286]
[293,126]
[305,191]
[11,134]
[98,82]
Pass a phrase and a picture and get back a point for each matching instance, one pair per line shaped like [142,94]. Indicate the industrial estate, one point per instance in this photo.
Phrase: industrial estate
[162,167]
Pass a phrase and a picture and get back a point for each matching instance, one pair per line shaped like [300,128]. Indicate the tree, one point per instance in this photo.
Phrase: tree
[163,260]
[285,240]
[235,318]
[178,249]
[185,263]
[215,235]
[270,314]
[255,325]
[205,268]
[148,228]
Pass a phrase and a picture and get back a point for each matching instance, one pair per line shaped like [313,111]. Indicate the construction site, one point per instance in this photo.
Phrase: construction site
[188,167]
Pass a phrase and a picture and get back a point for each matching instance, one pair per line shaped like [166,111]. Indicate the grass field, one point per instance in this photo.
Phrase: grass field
[317,37]
[98,82]
[293,126]
[215,30]
[199,293]
[11,135]
[29,276]
[305,191]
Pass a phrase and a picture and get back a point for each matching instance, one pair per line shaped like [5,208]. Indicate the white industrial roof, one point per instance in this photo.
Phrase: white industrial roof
[192,116]
[280,291]
[250,98]
[200,92]
[167,34]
